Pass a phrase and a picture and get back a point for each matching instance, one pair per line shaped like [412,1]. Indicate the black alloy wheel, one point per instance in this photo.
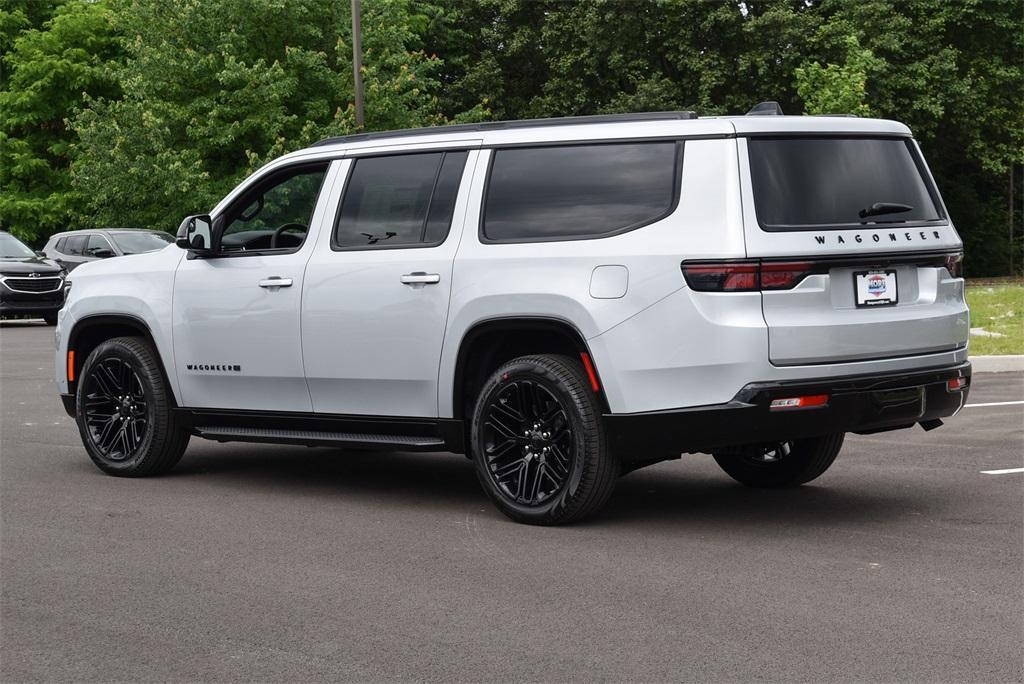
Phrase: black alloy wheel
[125,410]
[115,409]
[528,441]
[538,441]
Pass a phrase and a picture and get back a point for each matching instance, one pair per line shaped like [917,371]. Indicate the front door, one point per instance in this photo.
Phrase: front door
[236,314]
[375,302]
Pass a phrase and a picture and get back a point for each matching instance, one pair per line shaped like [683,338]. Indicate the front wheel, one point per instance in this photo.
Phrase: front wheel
[125,412]
[538,442]
[785,464]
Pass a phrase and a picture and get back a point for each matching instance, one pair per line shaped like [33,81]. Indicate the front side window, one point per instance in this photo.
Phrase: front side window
[400,200]
[579,191]
[820,183]
[276,213]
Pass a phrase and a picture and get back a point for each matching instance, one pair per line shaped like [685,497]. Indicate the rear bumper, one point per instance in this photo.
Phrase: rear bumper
[862,404]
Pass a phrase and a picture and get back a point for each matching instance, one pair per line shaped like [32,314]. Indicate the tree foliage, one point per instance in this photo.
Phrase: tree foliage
[55,59]
[173,101]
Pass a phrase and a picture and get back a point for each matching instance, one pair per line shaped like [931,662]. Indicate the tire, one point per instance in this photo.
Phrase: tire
[50,318]
[787,464]
[538,442]
[122,379]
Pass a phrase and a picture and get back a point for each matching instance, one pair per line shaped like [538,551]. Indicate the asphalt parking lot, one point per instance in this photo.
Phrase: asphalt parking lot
[249,562]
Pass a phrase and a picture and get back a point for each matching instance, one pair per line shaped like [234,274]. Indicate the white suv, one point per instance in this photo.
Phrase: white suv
[561,300]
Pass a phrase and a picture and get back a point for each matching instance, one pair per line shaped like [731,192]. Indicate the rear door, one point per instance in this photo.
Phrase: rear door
[858,257]
[377,288]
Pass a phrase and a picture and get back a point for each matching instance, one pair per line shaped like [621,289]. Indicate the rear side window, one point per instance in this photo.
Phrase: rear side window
[75,245]
[399,201]
[61,244]
[821,183]
[579,191]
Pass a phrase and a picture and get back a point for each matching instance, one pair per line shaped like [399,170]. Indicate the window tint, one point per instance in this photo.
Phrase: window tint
[76,245]
[277,213]
[579,190]
[399,200]
[821,182]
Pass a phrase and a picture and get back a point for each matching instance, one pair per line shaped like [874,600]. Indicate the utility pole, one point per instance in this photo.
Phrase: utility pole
[357,62]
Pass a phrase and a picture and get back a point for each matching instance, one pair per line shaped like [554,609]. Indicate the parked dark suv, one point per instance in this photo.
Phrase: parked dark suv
[72,248]
[30,285]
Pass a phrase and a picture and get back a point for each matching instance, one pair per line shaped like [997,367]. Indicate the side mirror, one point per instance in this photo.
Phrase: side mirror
[41,255]
[196,234]
[103,253]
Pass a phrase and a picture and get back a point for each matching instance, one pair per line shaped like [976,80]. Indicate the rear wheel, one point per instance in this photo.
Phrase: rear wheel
[538,442]
[785,464]
[124,411]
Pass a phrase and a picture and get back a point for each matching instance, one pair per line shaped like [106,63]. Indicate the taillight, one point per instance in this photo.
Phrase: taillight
[744,276]
[783,275]
[954,263]
[733,276]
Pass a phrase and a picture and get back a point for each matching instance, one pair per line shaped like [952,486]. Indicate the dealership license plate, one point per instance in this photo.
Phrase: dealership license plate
[875,288]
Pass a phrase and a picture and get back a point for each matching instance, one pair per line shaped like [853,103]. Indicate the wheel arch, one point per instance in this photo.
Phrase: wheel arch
[493,341]
[91,331]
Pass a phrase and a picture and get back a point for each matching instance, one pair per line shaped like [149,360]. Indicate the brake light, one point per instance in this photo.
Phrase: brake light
[809,401]
[956,384]
[783,275]
[745,276]
[723,277]
[954,263]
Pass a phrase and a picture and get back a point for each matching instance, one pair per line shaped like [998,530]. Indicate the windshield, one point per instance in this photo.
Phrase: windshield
[137,243]
[817,183]
[13,248]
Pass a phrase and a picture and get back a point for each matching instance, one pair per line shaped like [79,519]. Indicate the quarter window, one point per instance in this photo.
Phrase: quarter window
[399,200]
[579,191]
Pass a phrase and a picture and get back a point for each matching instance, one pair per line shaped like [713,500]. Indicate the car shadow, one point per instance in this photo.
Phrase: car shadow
[669,493]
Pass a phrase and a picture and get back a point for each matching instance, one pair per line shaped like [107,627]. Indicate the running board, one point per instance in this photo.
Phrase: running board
[319,438]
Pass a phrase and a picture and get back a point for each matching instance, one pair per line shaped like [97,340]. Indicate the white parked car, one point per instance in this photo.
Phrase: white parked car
[561,300]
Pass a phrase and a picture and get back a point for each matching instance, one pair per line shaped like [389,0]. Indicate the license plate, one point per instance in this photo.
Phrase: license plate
[875,288]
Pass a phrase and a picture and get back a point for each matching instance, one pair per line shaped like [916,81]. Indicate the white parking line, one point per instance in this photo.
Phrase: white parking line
[1004,471]
[995,403]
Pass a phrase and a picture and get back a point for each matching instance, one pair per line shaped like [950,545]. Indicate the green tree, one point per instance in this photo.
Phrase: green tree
[214,90]
[51,69]
[837,88]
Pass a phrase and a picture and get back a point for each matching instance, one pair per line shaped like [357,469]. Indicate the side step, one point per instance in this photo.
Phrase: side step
[319,438]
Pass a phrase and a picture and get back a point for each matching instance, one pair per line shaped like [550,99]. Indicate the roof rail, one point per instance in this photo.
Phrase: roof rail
[507,125]
[770,108]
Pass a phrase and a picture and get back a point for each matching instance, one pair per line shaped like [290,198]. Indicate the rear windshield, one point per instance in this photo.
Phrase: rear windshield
[137,243]
[821,183]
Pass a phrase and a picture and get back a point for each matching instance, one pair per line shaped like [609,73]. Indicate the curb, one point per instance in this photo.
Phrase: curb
[997,364]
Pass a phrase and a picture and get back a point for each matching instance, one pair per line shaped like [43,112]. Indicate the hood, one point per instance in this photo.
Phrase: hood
[29,265]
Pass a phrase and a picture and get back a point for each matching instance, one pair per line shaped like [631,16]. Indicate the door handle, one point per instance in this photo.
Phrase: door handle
[276,281]
[421,278]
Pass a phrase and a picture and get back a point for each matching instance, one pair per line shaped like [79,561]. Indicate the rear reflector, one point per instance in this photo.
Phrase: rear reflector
[956,384]
[71,365]
[591,373]
[810,401]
